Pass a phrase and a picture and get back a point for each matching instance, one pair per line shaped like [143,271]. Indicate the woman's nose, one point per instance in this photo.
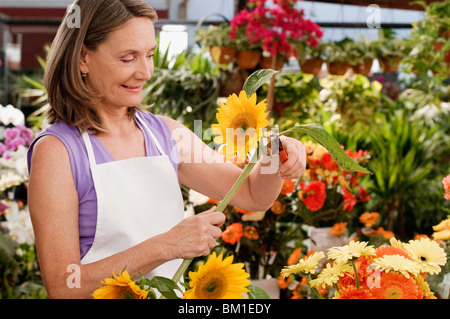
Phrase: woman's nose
[144,70]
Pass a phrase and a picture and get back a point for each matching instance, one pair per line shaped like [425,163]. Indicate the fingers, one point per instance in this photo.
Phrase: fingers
[295,166]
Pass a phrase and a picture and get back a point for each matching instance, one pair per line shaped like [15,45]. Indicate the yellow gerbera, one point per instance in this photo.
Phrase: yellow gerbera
[218,279]
[353,250]
[330,275]
[397,263]
[120,287]
[427,254]
[240,125]
[304,266]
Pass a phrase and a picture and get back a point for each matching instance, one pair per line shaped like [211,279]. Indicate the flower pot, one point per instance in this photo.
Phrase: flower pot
[222,54]
[266,63]
[312,66]
[337,67]
[363,68]
[390,63]
[248,59]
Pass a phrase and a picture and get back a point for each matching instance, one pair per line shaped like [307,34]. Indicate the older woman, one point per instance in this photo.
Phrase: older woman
[104,177]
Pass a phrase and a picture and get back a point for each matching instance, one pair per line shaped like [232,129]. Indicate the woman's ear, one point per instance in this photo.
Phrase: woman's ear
[84,59]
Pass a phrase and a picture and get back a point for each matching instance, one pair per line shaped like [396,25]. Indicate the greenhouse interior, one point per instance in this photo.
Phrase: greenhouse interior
[348,102]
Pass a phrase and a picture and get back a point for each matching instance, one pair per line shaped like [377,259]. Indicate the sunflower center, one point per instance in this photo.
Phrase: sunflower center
[244,120]
[212,286]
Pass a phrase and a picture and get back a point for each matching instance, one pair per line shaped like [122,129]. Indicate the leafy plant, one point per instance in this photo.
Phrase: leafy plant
[185,89]
[338,50]
[353,99]
[214,35]
[360,51]
[404,152]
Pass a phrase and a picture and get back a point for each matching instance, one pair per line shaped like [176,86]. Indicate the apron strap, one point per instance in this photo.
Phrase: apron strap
[160,149]
[90,150]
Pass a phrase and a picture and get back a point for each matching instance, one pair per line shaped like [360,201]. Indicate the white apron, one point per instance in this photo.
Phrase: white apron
[137,198]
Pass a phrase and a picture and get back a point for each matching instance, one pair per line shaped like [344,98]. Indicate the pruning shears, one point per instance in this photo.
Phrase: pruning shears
[281,151]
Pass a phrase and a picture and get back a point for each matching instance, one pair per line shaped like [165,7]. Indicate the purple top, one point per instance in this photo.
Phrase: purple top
[79,160]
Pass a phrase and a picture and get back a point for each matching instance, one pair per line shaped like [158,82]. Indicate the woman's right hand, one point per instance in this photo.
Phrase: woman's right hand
[196,235]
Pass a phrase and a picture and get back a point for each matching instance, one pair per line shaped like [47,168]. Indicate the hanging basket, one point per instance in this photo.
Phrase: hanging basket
[363,68]
[312,66]
[222,54]
[248,59]
[390,64]
[266,63]
[337,67]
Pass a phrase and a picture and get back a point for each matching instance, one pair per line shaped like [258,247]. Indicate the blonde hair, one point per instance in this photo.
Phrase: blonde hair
[69,98]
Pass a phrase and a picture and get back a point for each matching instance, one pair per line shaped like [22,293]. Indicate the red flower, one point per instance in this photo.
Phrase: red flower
[314,195]
[349,201]
[233,233]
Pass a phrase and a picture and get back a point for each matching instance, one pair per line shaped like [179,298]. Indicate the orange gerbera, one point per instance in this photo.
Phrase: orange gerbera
[369,219]
[278,207]
[288,187]
[232,233]
[389,250]
[396,286]
[350,292]
[294,257]
[446,183]
[250,232]
[314,195]
[338,228]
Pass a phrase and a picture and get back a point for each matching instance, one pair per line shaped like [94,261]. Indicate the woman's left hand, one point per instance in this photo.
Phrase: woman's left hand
[295,166]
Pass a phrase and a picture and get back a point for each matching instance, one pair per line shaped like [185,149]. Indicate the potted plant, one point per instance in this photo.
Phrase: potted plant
[337,56]
[431,32]
[311,59]
[217,39]
[361,56]
[389,50]
[352,99]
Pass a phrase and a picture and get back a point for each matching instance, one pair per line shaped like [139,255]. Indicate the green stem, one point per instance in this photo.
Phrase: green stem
[314,289]
[356,274]
[221,207]
[224,203]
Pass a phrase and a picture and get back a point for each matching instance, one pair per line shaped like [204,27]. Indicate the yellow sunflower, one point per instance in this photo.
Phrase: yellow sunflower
[241,121]
[218,278]
[120,287]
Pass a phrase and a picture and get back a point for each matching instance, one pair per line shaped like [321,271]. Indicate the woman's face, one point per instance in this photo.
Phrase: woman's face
[121,65]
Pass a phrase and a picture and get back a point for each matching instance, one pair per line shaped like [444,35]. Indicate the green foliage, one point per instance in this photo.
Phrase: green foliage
[355,99]
[214,35]
[405,152]
[20,275]
[185,89]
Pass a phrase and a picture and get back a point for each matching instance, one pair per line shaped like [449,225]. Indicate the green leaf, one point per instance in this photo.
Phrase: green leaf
[318,133]
[257,293]
[257,79]
[166,287]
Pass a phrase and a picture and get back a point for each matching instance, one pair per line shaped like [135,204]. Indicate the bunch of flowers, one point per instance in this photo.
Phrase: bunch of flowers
[239,134]
[18,262]
[327,193]
[217,278]
[361,271]
[15,139]
[277,29]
